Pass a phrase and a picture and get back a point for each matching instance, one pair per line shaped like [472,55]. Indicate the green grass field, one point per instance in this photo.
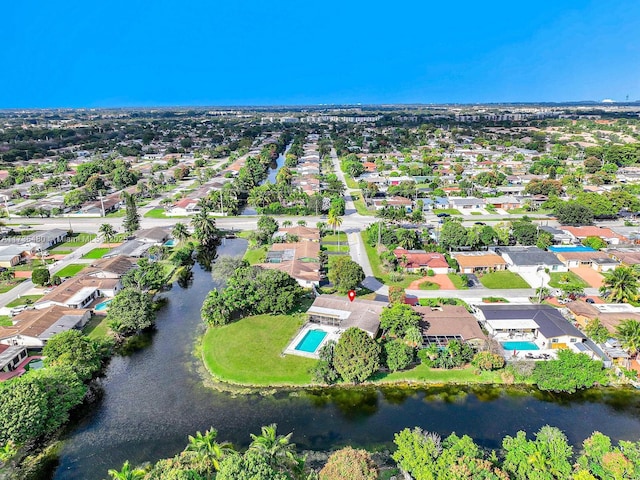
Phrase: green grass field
[361,207]
[6,286]
[503,280]
[558,280]
[450,211]
[426,374]
[343,248]
[429,286]
[379,272]
[24,300]
[255,255]
[97,327]
[118,213]
[5,321]
[457,280]
[155,213]
[77,239]
[249,352]
[338,237]
[71,270]
[96,253]
[476,213]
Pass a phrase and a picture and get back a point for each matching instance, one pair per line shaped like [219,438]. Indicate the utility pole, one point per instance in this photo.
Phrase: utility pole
[102,203]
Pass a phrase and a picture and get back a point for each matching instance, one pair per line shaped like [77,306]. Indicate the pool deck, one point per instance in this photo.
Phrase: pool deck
[19,370]
[333,333]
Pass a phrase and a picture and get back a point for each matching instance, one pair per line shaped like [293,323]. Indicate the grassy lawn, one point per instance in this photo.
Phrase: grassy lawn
[429,286]
[76,240]
[255,255]
[23,300]
[338,237]
[558,280]
[457,280]
[351,183]
[424,373]
[450,211]
[335,248]
[96,253]
[97,327]
[361,207]
[476,213]
[155,213]
[5,321]
[249,351]
[118,213]
[504,279]
[380,273]
[58,251]
[71,270]
[6,286]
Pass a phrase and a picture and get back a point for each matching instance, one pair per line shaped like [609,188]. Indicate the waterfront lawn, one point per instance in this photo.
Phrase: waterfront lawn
[427,374]
[97,327]
[379,272]
[256,255]
[96,253]
[249,352]
[155,213]
[503,280]
[71,270]
[557,280]
[458,281]
[24,300]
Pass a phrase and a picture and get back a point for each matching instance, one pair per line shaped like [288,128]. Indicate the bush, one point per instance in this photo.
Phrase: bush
[398,355]
[351,464]
[487,361]
[570,372]
[40,276]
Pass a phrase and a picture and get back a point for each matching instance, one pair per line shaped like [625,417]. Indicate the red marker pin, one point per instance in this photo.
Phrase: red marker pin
[351,295]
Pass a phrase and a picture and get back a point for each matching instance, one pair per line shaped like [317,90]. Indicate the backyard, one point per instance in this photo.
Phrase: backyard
[97,327]
[503,280]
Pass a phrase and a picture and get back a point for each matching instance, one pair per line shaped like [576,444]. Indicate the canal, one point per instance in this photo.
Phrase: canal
[154,398]
[272,173]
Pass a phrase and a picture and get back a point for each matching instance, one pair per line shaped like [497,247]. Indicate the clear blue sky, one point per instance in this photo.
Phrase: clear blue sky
[71,53]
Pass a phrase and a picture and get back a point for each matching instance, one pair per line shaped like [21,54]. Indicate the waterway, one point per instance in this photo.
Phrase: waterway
[154,398]
[272,173]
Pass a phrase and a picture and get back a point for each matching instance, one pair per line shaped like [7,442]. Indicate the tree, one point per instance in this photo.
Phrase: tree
[334,220]
[596,331]
[180,232]
[267,226]
[204,228]
[594,242]
[77,351]
[453,234]
[397,318]
[147,276]
[133,311]
[276,449]
[356,356]
[628,331]
[525,232]
[107,231]
[570,372]
[592,164]
[207,450]
[40,276]
[351,464]
[396,294]
[325,371]
[132,218]
[602,460]
[345,274]
[620,285]
[573,213]
[127,473]
[215,309]
[250,466]
[398,355]
[487,361]
[545,458]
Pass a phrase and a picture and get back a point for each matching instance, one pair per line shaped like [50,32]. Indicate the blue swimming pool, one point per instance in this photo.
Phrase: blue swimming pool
[519,346]
[102,305]
[170,243]
[570,248]
[35,364]
[311,341]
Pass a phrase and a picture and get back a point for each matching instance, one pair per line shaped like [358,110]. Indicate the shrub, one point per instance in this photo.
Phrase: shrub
[351,464]
[487,361]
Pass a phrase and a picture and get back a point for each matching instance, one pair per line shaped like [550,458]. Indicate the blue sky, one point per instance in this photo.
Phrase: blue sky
[73,53]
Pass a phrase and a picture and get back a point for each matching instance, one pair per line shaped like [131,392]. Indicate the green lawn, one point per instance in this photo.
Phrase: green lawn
[476,213]
[96,253]
[24,300]
[335,248]
[6,286]
[450,211]
[155,213]
[255,255]
[58,251]
[97,327]
[249,352]
[558,280]
[338,237]
[71,270]
[77,239]
[118,213]
[381,274]
[429,286]
[5,321]
[426,374]
[361,207]
[457,280]
[504,279]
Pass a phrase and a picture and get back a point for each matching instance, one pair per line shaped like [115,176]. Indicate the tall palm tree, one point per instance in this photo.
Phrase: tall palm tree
[204,228]
[620,285]
[629,334]
[127,473]
[180,232]
[334,221]
[206,449]
[276,448]
[107,231]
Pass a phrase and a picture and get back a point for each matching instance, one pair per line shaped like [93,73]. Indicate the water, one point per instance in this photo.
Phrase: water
[153,399]
[274,168]
[519,346]
[102,305]
[312,339]
[576,248]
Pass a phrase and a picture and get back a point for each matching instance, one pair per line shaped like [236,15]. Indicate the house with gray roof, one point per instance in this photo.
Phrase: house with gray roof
[343,313]
[530,259]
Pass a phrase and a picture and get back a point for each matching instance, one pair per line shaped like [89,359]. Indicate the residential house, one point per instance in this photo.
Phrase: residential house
[466,203]
[309,234]
[608,235]
[506,202]
[10,255]
[10,357]
[416,260]
[33,328]
[542,324]
[440,325]
[186,206]
[479,262]
[301,260]
[530,259]
[343,313]
[80,291]
[609,314]
[155,235]
[130,248]
[559,236]
[380,203]
[599,261]
[38,241]
[627,257]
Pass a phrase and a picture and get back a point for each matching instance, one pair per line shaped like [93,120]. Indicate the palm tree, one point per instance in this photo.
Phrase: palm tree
[127,473]
[302,223]
[334,221]
[107,231]
[204,228]
[206,449]
[286,223]
[629,335]
[276,448]
[180,232]
[620,285]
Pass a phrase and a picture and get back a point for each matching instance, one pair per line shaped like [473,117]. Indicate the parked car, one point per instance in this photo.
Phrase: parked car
[443,215]
[480,223]
[590,300]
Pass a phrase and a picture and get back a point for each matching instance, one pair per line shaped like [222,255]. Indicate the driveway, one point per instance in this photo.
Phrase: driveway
[443,280]
[589,275]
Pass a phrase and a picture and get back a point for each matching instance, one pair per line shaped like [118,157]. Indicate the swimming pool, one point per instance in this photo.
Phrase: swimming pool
[571,248]
[311,341]
[170,243]
[35,364]
[102,306]
[519,346]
